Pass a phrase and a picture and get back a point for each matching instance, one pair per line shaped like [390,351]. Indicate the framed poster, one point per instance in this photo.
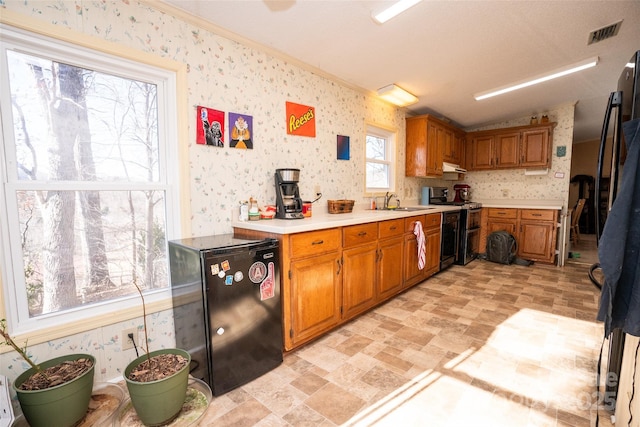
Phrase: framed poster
[301,120]
[210,127]
[241,131]
[343,147]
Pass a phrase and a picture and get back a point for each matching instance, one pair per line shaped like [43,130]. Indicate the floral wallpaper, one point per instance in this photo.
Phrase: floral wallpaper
[228,76]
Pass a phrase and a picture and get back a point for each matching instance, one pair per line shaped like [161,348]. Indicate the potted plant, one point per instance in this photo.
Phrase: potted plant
[56,392]
[157,381]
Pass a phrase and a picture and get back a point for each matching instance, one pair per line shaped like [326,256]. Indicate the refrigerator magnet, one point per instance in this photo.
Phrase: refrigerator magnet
[238,276]
[225,265]
[228,280]
[257,272]
[268,287]
[215,269]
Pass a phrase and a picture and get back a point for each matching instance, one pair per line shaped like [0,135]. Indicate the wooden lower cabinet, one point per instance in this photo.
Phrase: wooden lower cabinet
[330,276]
[431,227]
[359,279]
[535,231]
[432,242]
[390,266]
[315,297]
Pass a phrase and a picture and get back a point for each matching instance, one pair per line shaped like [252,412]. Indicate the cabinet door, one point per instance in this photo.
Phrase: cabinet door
[390,274]
[432,242]
[412,274]
[435,141]
[507,150]
[315,296]
[416,148]
[481,154]
[508,225]
[536,148]
[458,149]
[536,241]
[358,279]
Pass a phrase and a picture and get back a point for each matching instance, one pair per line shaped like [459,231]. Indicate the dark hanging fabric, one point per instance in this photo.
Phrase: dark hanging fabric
[619,249]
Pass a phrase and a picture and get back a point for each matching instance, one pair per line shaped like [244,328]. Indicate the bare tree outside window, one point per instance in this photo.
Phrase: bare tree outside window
[86,152]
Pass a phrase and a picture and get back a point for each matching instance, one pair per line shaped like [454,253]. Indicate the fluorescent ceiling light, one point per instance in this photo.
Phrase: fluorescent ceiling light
[579,66]
[395,10]
[396,95]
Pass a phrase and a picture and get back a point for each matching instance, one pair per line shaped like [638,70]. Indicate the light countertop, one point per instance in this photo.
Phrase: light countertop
[325,220]
[522,204]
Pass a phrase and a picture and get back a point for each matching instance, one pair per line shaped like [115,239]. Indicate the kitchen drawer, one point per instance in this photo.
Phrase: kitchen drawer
[391,228]
[408,222]
[503,213]
[315,242]
[432,221]
[538,214]
[358,234]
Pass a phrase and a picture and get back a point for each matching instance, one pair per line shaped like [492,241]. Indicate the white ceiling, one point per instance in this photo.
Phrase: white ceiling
[444,52]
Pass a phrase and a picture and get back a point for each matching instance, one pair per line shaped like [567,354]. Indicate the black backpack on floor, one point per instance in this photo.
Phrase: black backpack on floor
[502,248]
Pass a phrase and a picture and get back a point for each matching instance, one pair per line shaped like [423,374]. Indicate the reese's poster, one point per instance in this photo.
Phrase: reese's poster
[301,120]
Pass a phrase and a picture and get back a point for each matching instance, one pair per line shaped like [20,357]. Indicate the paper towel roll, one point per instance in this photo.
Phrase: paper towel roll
[426,191]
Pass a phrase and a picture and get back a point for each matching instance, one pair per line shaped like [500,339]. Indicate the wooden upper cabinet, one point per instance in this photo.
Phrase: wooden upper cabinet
[416,150]
[431,141]
[535,148]
[480,153]
[509,148]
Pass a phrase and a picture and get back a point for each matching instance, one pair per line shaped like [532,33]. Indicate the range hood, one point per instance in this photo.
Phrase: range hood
[450,167]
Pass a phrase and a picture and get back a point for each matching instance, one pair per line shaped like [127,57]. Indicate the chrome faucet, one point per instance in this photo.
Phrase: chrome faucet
[388,197]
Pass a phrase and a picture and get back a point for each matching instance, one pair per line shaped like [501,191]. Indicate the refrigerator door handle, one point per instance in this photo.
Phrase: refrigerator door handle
[615,101]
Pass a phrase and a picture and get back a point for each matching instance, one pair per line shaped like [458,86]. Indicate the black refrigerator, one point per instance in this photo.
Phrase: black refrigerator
[617,223]
[227,307]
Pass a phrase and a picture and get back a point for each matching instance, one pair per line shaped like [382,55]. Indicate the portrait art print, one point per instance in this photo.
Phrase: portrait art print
[241,126]
[210,127]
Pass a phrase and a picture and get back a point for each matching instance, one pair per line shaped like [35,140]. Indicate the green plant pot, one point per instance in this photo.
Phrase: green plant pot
[62,405]
[158,402]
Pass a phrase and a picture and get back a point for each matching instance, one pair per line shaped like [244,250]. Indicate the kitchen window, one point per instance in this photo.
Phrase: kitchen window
[380,161]
[87,185]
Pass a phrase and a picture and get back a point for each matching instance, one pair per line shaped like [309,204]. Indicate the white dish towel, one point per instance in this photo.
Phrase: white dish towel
[417,230]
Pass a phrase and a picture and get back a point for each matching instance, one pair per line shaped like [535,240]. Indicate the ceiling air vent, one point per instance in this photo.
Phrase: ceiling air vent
[604,32]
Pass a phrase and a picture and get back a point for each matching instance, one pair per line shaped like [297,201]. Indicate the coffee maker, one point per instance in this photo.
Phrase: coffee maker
[288,201]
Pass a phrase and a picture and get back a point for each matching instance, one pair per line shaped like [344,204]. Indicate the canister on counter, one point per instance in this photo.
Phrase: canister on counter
[244,211]
[307,208]
[254,212]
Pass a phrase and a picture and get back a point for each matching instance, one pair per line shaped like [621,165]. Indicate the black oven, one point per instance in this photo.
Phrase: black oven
[450,238]
[469,235]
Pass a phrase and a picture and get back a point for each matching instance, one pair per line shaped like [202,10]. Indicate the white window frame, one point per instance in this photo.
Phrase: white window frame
[103,59]
[390,156]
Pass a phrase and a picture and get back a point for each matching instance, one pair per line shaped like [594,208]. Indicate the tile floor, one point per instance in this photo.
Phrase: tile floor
[480,345]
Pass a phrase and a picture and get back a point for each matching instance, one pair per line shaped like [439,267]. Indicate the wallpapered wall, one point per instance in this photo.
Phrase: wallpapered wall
[228,76]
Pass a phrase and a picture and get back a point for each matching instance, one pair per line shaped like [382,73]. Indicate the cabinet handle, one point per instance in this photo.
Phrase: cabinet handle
[318,242]
[393,228]
[381,255]
[536,214]
[362,233]
[339,262]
